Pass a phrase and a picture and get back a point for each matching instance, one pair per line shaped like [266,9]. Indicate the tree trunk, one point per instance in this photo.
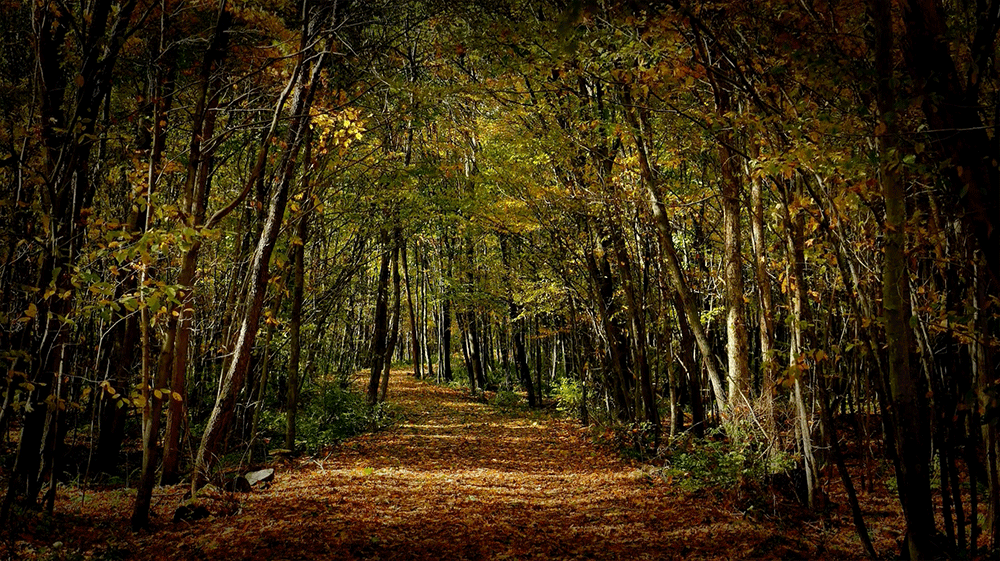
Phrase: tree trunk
[769,366]
[234,377]
[799,316]
[150,428]
[687,347]
[394,324]
[520,357]
[381,327]
[445,346]
[669,361]
[603,294]
[908,404]
[637,327]
[415,342]
[295,322]
[736,329]
[671,263]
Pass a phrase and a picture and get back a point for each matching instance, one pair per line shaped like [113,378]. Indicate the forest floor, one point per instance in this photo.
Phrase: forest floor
[459,479]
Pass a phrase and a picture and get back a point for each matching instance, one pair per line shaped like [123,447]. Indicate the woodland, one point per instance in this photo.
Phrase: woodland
[755,243]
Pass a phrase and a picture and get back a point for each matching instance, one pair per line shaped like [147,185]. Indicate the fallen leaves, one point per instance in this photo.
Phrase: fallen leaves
[458,481]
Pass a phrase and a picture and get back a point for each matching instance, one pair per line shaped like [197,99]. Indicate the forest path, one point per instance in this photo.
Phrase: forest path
[459,479]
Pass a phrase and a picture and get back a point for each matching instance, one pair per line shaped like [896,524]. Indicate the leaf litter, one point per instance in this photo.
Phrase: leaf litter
[455,479]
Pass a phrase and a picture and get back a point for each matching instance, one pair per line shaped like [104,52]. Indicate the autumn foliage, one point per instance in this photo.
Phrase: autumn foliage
[748,245]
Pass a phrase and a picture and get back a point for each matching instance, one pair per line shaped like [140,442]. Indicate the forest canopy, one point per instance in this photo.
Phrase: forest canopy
[773,221]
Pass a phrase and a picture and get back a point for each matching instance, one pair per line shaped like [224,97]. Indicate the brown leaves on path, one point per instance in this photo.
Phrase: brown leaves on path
[458,479]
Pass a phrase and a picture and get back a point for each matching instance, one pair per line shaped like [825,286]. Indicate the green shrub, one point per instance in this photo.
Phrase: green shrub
[569,397]
[717,462]
[505,399]
[330,414]
[709,464]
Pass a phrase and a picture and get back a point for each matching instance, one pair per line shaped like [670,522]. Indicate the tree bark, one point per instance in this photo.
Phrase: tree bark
[671,263]
[381,322]
[909,408]
[232,381]
[769,366]
[414,340]
[799,319]
[390,346]
[737,351]
[637,327]
[295,321]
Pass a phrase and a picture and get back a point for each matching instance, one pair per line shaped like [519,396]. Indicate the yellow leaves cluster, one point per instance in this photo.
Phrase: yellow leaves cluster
[339,129]
[137,399]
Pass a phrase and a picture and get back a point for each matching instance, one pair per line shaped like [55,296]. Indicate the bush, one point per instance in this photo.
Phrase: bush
[331,414]
[705,463]
[569,397]
[505,399]
[695,463]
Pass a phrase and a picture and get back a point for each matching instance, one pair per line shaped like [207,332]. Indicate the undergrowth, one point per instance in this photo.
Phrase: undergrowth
[331,413]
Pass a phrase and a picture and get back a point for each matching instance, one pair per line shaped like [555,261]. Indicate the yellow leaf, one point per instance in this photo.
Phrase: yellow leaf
[176,396]
[158,394]
[32,311]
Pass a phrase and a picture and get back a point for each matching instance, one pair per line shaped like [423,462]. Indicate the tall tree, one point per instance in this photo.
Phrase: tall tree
[304,80]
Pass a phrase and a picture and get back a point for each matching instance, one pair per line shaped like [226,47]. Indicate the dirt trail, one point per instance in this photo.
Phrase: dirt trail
[461,480]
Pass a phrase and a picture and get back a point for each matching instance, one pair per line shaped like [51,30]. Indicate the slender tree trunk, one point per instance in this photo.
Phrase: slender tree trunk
[736,329]
[603,288]
[415,342]
[295,322]
[671,262]
[445,345]
[466,337]
[520,356]
[394,324]
[258,387]
[381,326]
[769,366]
[476,350]
[986,382]
[444,348]
[669,360]
[637,322]
[150,429]
[234,377]
[687,348]
[800,313]
[423,274]
[908,404]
